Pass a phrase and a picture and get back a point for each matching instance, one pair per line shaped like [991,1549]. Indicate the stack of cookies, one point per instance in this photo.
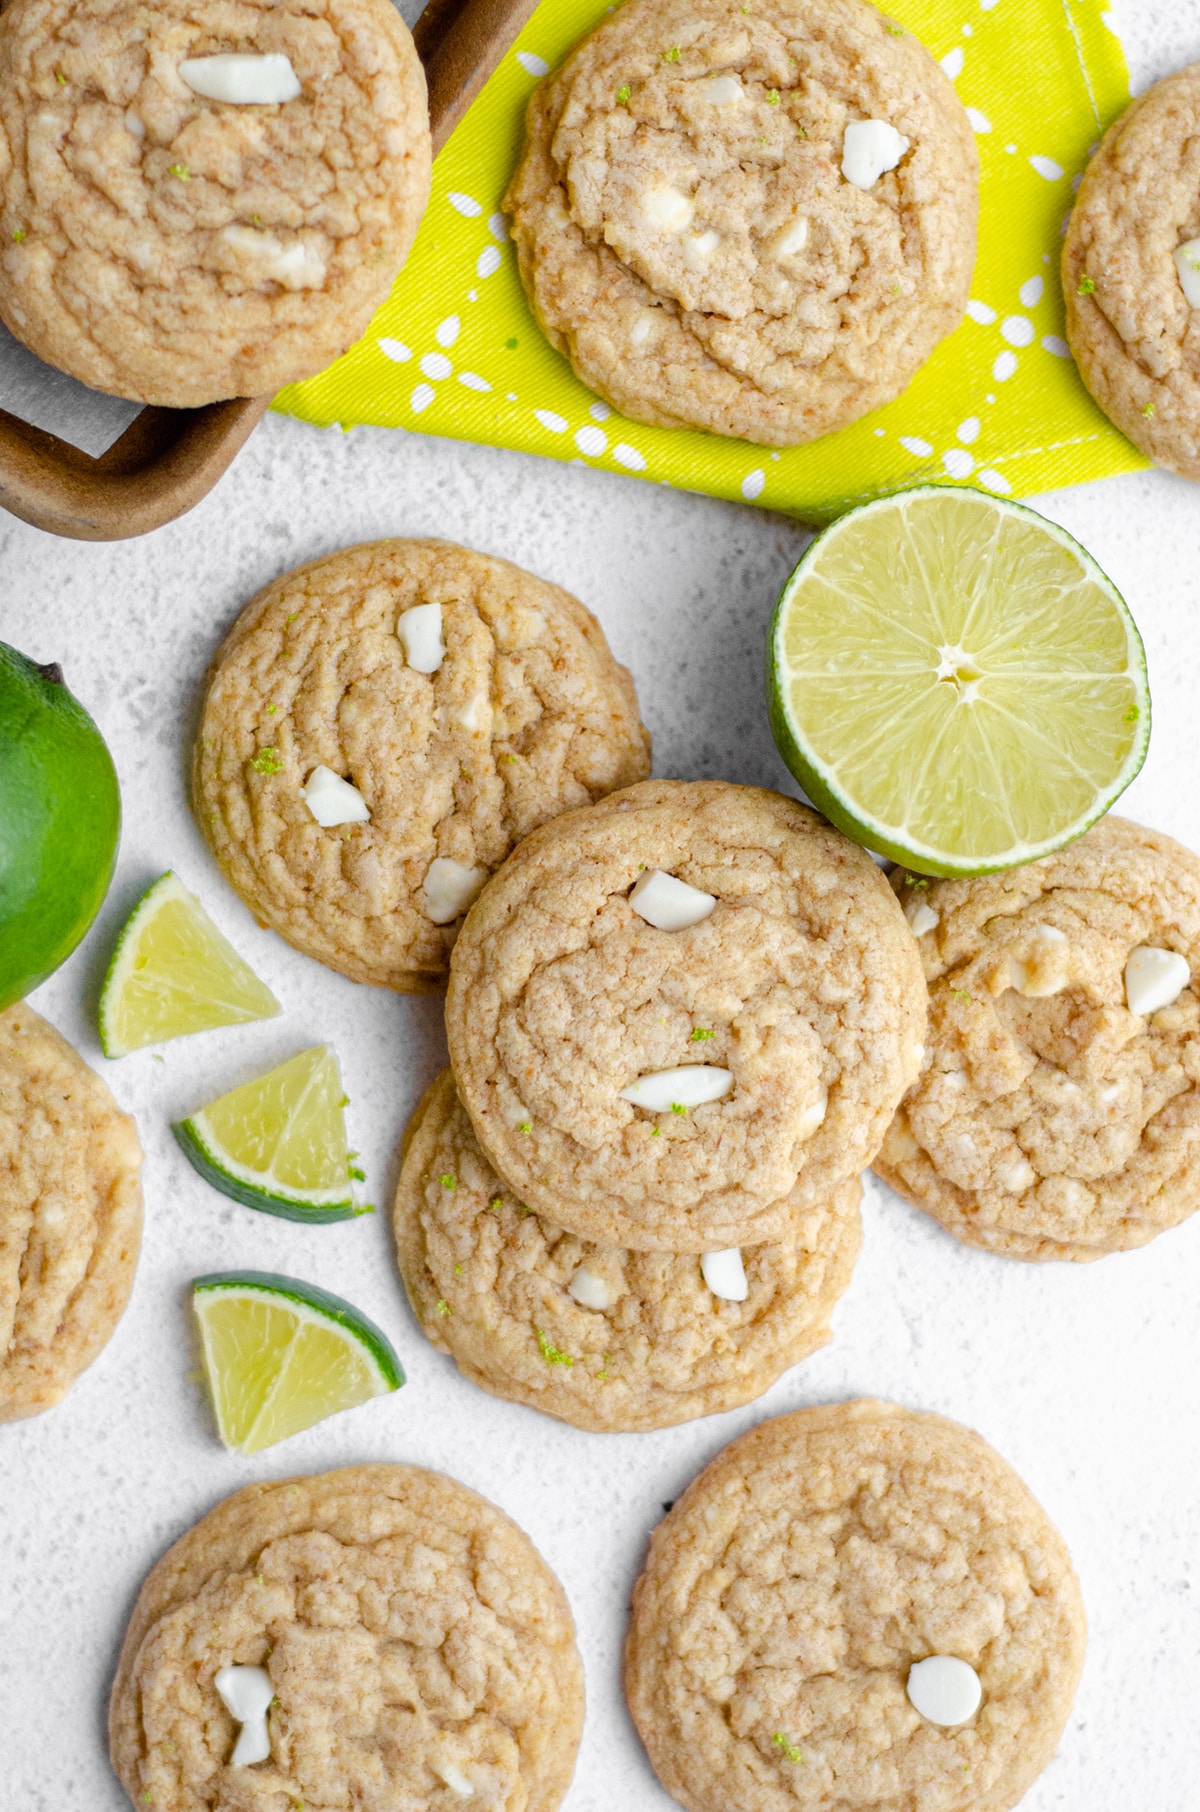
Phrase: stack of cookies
[680,1021]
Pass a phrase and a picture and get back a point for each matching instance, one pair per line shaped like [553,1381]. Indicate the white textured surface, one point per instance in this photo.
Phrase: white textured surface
[1087,1379]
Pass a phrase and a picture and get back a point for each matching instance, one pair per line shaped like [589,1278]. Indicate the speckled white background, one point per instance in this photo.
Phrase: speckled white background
[1087,1379]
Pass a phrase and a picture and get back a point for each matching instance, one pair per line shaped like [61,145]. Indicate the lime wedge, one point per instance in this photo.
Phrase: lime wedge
[955,683]
[281,1355]
[279,1143]
[173,972]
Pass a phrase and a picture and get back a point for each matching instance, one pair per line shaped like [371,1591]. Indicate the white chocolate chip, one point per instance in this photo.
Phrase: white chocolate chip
[1187,263]
[814,1114]
[420,633]
[725,1274]
[471,717]
[295,266]
[669,903]
[246,1693]
[791,238]
[690,1086]
[1154,979]
[332,800]
[945,1690]
[455,1779]
[1017,1177]
[869,149]
[135,124]
[639,333]
[590,1291]
[669,208]
[921,918]
[449,888]
[242,79]
[722,91]
[898,1142]
[1050,934]
[700,247]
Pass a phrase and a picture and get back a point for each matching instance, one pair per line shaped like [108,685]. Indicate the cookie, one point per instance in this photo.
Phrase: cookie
[70,1214]
[755,220]
[600,1337]
[687,1089]
[460,727]
[795,1596]
[1057,1113]
[419,1652]
[1131,256]
[175,247]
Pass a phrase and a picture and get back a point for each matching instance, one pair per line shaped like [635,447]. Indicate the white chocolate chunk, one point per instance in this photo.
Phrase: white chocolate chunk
[791,238]
[332,800]
[945,1690]
[701,246]
[668,207]
[921,918]
[134,123]
[590,1291]
[639,333]
[689,1086]
[722,91]
[1017,1177]
[242,78]
[669,903]
[869,149]
[1154,979]
[246,1693]
[295,266]
[725,1274]
[455,1779]
[420,632]
[471,717]
[1187,263]
[814,1114]
[449,888]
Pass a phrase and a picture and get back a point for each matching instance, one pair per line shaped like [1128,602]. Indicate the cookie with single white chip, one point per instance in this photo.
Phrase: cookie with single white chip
[70,1214]
[759,220]
[693,1083]
[854,1606]
[600,1337]
[1131,273]
[1057,1113]
[201,201]
[375,1636]
[382,726]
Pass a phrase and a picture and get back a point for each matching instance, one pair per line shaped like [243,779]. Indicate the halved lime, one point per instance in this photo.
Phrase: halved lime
[279,1143]
[955,683]
[173,972]
[281,1355]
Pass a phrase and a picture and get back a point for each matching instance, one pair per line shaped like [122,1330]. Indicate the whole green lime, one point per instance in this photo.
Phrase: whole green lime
[60,819]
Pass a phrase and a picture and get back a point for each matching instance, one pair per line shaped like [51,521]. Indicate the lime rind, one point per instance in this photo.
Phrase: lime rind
[309,1300]
[820,782]
[234,1181]
[250,998]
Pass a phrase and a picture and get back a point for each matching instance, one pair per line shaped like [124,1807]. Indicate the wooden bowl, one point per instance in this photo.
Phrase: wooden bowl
[168,459]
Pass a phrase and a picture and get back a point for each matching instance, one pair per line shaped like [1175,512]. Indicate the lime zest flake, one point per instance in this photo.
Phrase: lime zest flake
[181,171]
[18,234]
[772,97]
[267,761]
[448,1181]
[441,1306]
[624,96]
[1148,410]
[672,55]
[1087,286]
[788,1749]
[677,1107]
[701,1032]
[526,1126]
[552,1354]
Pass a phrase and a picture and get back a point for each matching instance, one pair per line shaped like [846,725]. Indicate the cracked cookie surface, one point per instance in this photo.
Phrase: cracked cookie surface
[491,1285]
[527,716]
[70,1214]
[1134,336]
[798,1579]
[803,984]
[411,1632]
[1050,1121]
[688,239]
[175,249]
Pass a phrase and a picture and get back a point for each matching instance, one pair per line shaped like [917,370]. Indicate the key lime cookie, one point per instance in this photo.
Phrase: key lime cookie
[70,1214]
[382,726]
[598,1336]
[854,1606]
[678,1019]
[1131,273]
[198,200]
[378,1636]
[1057,1113]
[755,220]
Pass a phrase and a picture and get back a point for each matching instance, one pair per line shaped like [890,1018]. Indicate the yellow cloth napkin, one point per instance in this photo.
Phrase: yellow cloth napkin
[455,350]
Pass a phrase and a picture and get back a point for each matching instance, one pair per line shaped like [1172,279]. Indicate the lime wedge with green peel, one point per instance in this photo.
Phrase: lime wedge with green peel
[173,972]
[955,683]
[281,1355]
[279,1143]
